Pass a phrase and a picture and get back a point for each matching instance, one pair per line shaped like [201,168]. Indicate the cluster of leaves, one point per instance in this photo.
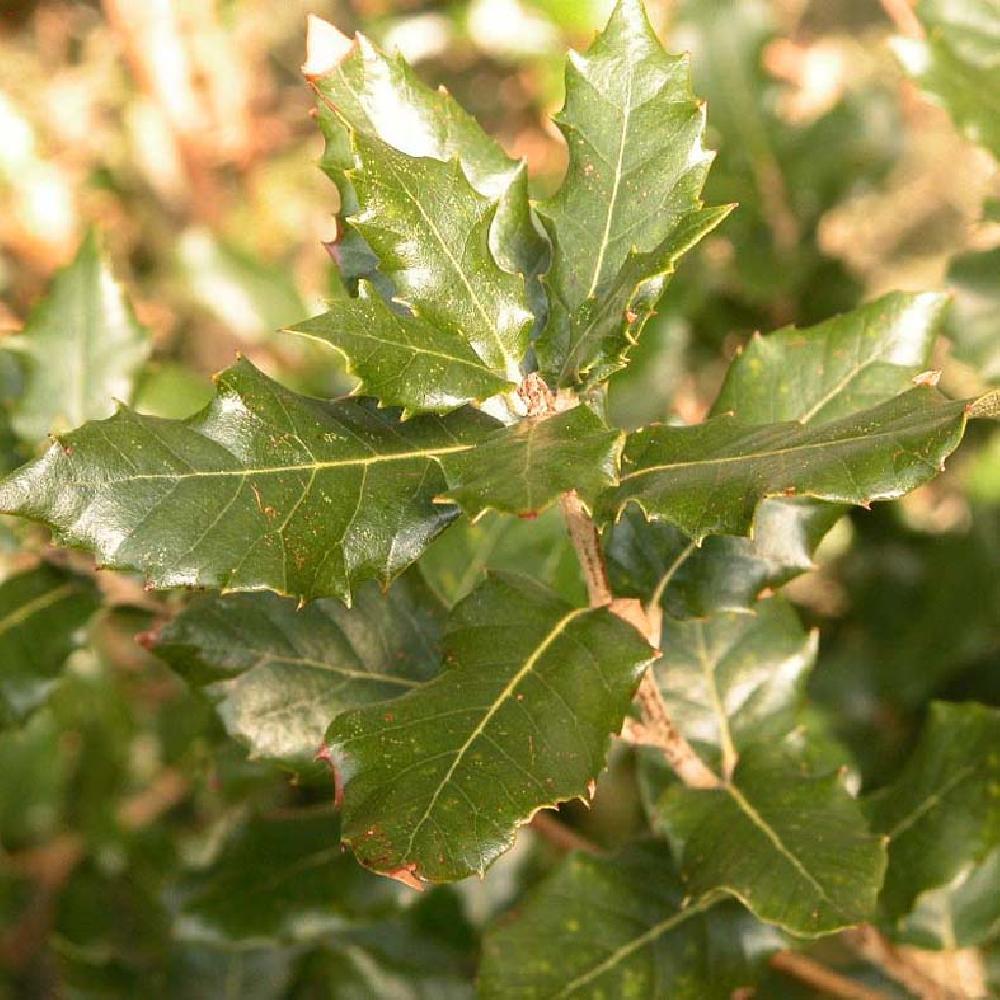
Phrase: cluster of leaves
[450,706]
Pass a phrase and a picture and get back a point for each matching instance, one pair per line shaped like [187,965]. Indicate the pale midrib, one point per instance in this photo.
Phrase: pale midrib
[431,453]
[709,670]
[755,456]
[620,954]
[930,802]
[616,185]
[505,695]
[36,604]
[264,658]
[478,365]
[837,389]
[765,828]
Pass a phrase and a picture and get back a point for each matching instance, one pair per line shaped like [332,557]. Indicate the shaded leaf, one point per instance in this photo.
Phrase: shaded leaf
[435,782]
[943,811]
[710,477]
[735,679]
[796,850]
[458,560]
[279,674]
[974,316]
[400,359]
[623,927]
[629,204]
[42,616]
[282,878]
[957,64]
[521,469]
[725,573]
[83,347]
[262,489]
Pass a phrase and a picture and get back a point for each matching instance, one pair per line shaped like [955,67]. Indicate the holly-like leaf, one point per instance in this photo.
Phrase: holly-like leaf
[42,615]
[83,347]
[849,363]
[943,811]
[629,205]
[400,359]
[361,89]
[278,674]
[710,477]
[654,560]
[796,850]
[957,64]
[521,469]
[262,489]
[623,927]
[735,679]
[826,372]
[436,782]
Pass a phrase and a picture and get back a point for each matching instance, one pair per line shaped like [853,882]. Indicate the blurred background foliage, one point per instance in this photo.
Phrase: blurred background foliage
[136,841]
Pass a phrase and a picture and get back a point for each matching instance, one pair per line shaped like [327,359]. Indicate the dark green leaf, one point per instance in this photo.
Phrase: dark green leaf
[436,782]
[400,359]
[654,560]
[735,679]
[42,616]
[629,205]
[279,674]
[83,347]
[521,469]
[796,850]
[709,478]
[623,927]
[943,811]
[262,489]
[282,878]
[974,317]
[957,64]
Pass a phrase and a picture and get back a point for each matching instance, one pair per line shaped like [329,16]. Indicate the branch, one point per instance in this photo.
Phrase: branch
[900,12]
[808,971]
[561,836]
[656,727]
[874,947]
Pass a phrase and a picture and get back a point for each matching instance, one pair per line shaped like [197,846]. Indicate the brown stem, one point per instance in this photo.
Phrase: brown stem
[800,967]
[874,947]
[560,836]
[656,727]
[900,12]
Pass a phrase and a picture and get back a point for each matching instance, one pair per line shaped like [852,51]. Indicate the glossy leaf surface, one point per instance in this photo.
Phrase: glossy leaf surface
[435,782]
[523,468]
[262,489]
[796,850]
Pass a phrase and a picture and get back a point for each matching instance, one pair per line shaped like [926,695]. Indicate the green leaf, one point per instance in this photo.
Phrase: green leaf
[262,489]
[400,359]
[83,347]
[283,878]
[629,205]
[654,560]
[943,811]
[957,64]
[849,363]
[796,850]
[436,782]
[42,615]
[431,232]
[521,469]
[623,927]
[710,477]
[279,674]
[735,679]
[379,95]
